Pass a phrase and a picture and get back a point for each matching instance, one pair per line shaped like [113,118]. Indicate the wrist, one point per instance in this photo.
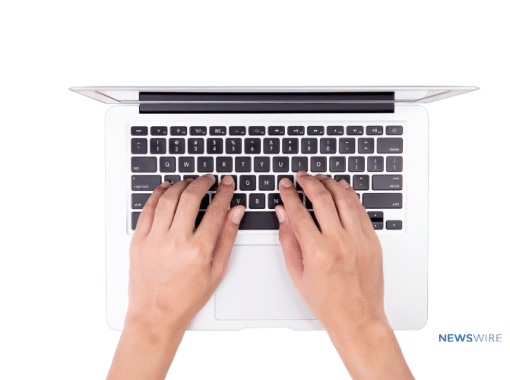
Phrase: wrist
[158,327]
[361,332]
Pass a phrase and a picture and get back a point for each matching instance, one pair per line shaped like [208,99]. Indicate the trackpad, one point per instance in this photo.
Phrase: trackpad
[257,286]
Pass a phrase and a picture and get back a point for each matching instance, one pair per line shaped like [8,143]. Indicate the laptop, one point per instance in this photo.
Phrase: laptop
[376,138]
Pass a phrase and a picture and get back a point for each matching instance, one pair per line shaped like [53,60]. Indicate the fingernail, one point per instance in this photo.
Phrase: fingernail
[190,179]
[227,180]
[286,182]
[344,183]
[280,214]
[301,172]
[237,215]
[320,177]
[165,184]
[210,176]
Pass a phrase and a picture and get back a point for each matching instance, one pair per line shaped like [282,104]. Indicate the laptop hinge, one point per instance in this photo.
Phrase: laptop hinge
[274,102]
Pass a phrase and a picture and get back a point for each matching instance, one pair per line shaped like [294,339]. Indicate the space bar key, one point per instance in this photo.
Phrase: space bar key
[259,220]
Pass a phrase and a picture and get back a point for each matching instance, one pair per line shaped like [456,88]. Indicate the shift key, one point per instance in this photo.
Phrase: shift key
[382,200]
[145,182]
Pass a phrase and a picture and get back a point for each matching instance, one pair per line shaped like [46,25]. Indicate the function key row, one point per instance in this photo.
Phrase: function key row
[254,145]
[312,130]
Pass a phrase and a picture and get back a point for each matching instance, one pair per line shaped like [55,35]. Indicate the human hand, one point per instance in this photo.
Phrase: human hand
[337,269]
[175,268]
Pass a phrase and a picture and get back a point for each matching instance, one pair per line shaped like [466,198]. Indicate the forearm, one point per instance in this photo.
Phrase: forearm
[145,351]
[370,352]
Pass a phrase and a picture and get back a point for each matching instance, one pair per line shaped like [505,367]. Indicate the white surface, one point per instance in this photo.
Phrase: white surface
[404,251]
[52,269]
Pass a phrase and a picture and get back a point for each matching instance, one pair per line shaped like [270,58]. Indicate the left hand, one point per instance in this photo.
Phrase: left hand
[174,268]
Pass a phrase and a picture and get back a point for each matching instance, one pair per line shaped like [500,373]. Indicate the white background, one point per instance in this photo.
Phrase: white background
[52,274]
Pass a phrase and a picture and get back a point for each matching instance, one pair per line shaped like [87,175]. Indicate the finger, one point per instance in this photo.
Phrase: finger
[300,219]
[364,219]
[322,202]
[214,217]
[189,204]
[345,205]
[225,243]
[290,246]
[167,204]
[146,217]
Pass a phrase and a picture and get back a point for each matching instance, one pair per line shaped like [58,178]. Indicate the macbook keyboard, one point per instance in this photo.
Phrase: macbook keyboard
[368,157]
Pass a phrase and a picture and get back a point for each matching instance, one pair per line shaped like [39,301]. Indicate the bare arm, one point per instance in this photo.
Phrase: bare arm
[174,270]
[338,271]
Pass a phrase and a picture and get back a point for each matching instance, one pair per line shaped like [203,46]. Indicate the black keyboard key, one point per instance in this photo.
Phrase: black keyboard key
[387,182]
[261,164]
[247,182]
[356,164]
[296,131]
[375,164]
[328,146]
[217,131]
[276,131]
[377,225]
[205,202]
[256,131]
[394,130]
[187,176]
[299,163]
[266,182]
[347,145]
[144,164]
[176,146]
[173,179]
[197,131]
[389,145]
[134,219]
[394,163]
[199,218]
[238,199]
[376,216]
[234,146]
[290,146]
[272,146]
[354,130]
[195,146]
[235,180]
[243,164]
[374,130]
[205,164]
[318,164]
[139,200]
[365,145]
[159,131]
[237,131]
[382,200]
[336,164]
[139,131]
[290,177]
[138,146]
[273,200]
[178,131]
[158,146]
[335,130]
[259,220]
[360,182]
[345,177]
[186,164]
[145,182]
[167,164]
[393,224]
[315,130]
[309,146]
[252,145]
[257,201]
[215,145]
[224,164]
[280,164]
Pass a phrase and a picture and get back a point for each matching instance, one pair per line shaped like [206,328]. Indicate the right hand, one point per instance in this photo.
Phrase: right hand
[337,269]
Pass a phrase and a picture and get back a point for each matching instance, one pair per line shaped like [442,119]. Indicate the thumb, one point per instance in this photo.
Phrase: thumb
[225,242]
[290,246]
